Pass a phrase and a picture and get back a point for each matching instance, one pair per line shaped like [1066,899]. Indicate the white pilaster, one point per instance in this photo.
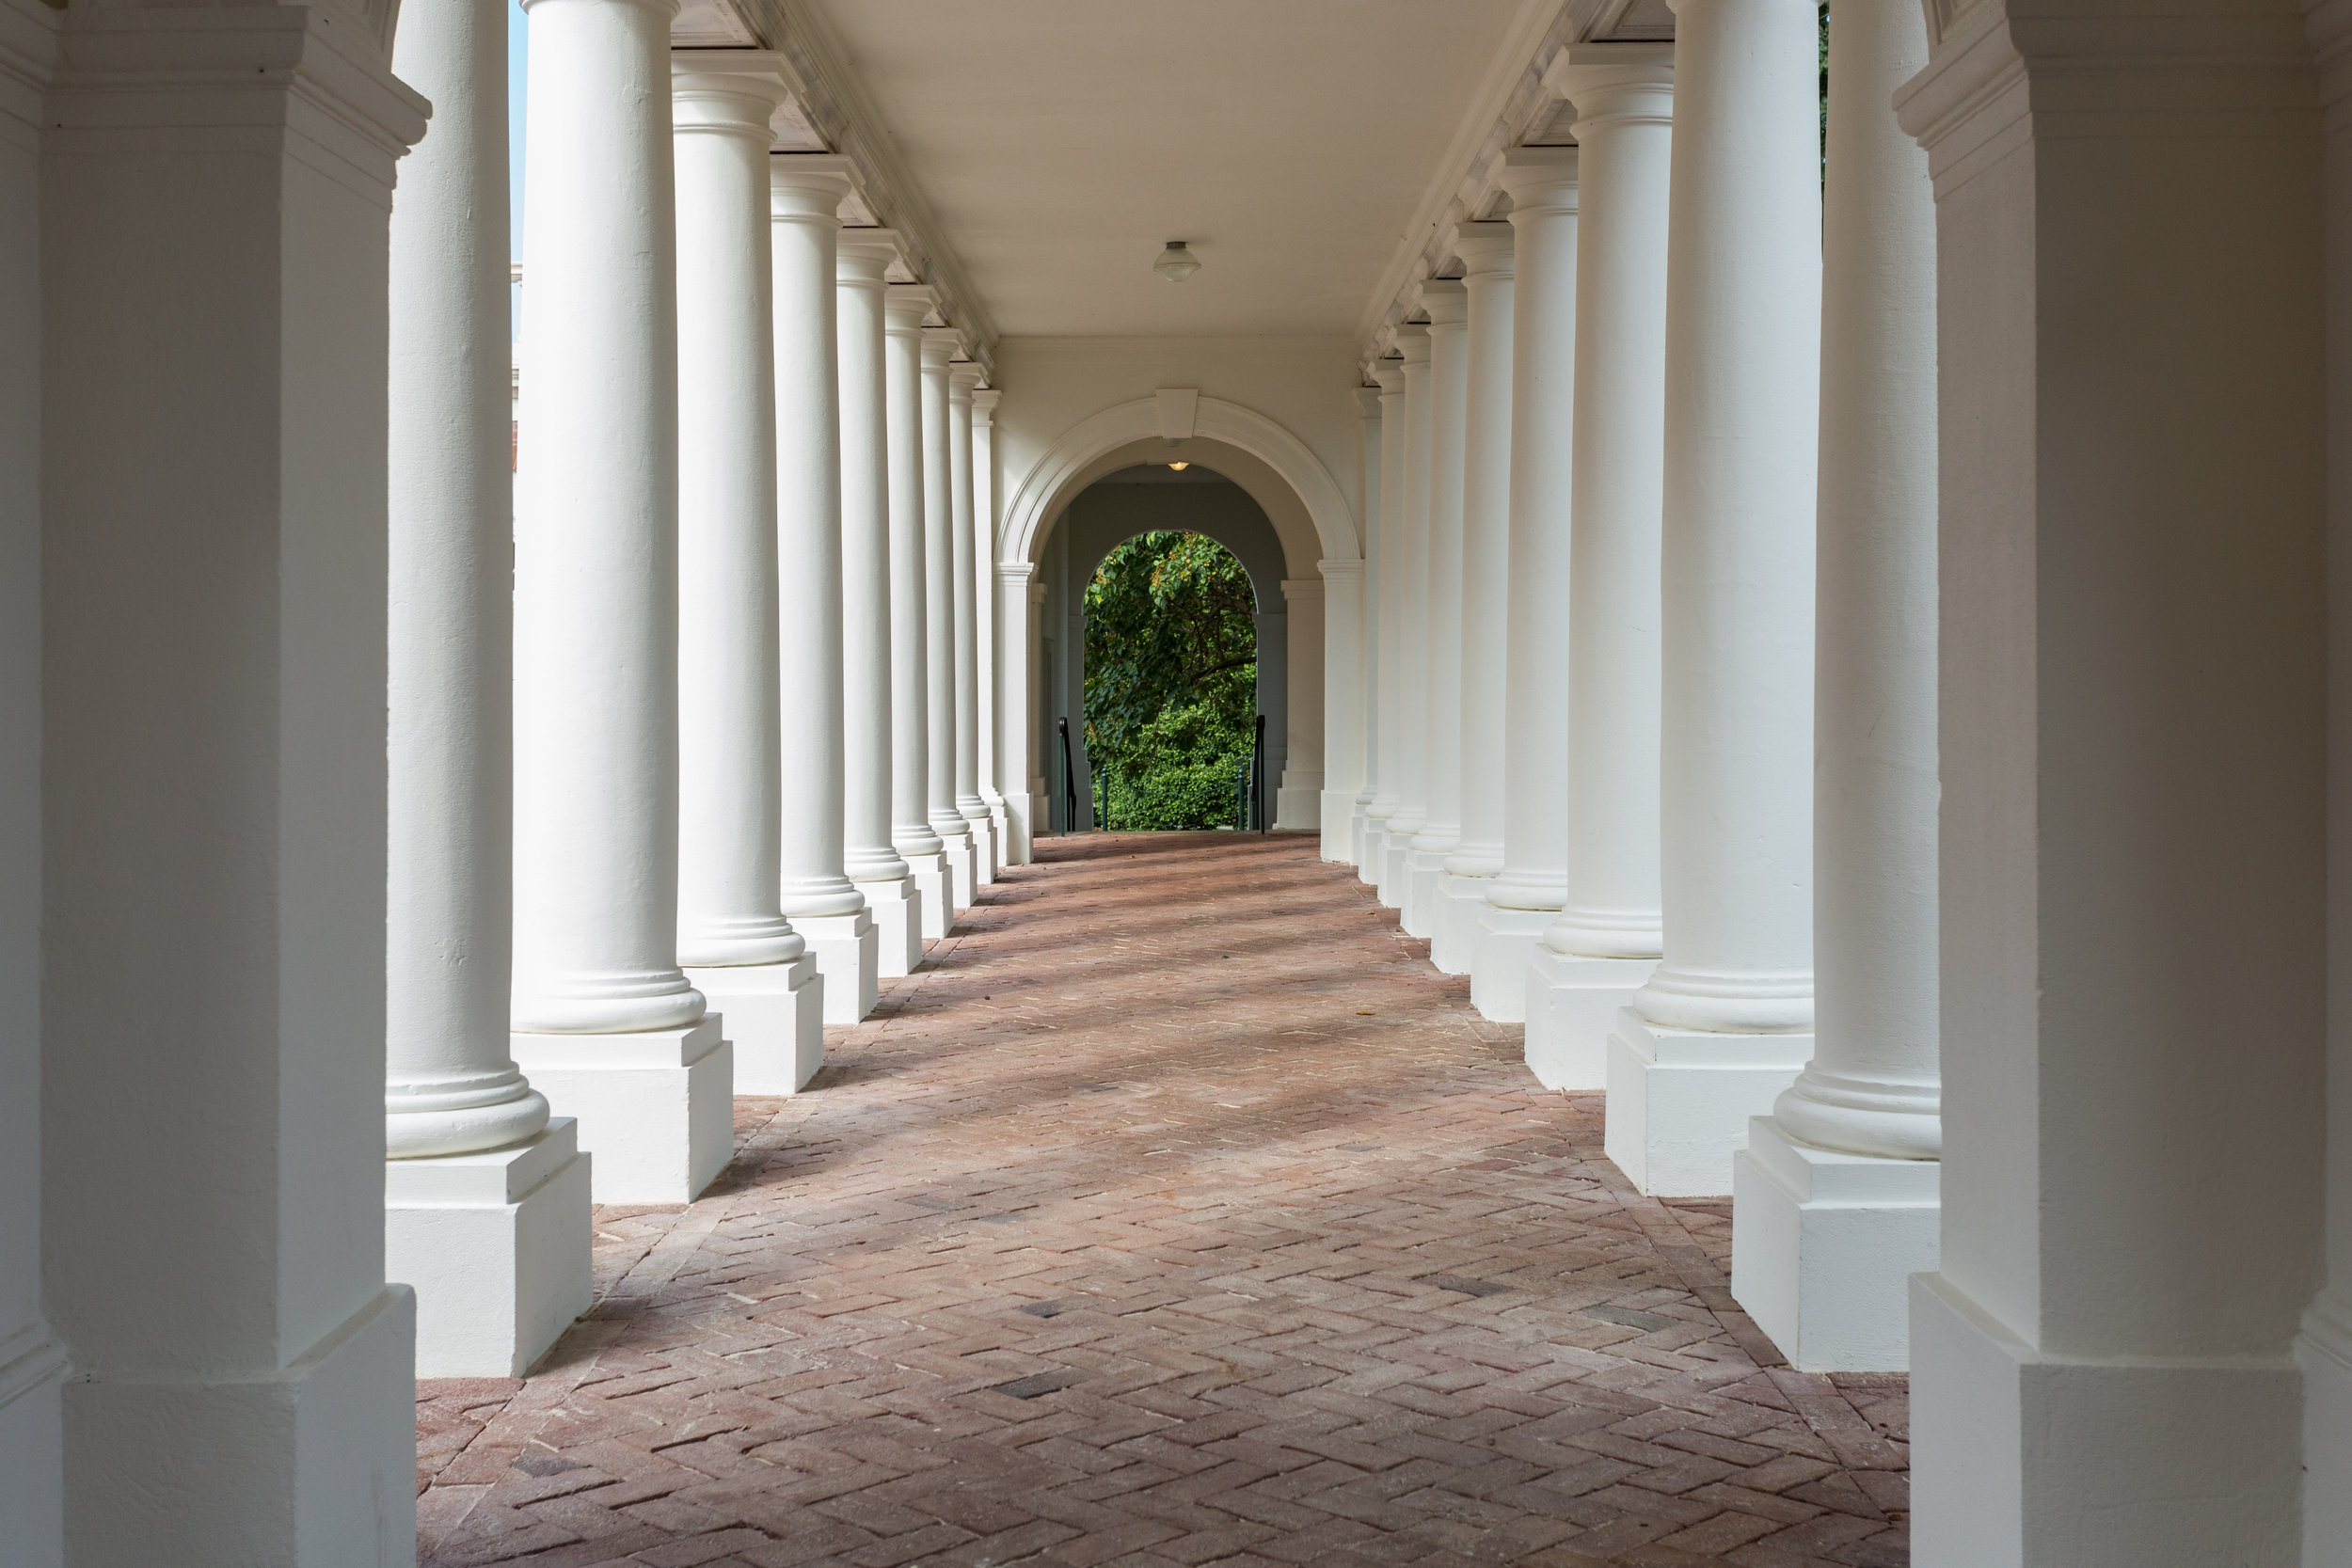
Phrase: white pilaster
[1411,751]
[1440,680]
[1524,898]
[868,651]
[911,833]
[1385,595]
[1016,696]
[216,190]
[994,778]
[1484,250]
[1350,659]
[1725,1019]
[804,194]
[1607,938]
[962,380]
[606,1022]
[499,1270]
[1835,1195]
[2132,582]
[734,941]
[939,609]
[1299,797]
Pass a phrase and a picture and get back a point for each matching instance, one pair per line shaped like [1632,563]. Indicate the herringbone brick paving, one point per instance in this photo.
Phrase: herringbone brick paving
[1176,1214]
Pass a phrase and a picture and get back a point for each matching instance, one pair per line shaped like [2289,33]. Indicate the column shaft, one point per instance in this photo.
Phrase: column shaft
[1412,624]
[1385,594]
[1016,702]
[911,831]
[1440,678]
[988,638]
[962,380]
[939,612]
[1351,662]
[1524,897]
[1298,804]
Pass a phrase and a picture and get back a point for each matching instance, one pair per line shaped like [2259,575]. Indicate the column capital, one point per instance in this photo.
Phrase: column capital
[1367,401]
[864,254]
[940,346]
[1351,567]
[904,306]
[1412,344]
[984,405]
[1446,300]
[731,92]
[1297,589]
[1615,82]
[964,380]
[1484,248]
[1391,373]
[1015,571]
[806,187]
[1541,180]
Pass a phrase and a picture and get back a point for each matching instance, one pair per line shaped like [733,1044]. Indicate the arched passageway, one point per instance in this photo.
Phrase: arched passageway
[1177,1213]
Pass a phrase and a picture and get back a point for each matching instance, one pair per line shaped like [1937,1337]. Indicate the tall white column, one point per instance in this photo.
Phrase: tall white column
[911,831]
[1724,1022]
[214,193]
[962,381]
[1834,1197]
[804,194]
[939,610]
[1387,629]
[1016,704]
[868,648]
[1411,751]
[1350,663]
[1605,942]
[485,1204]
[1298,804]
[606,1023]
[2132,576]
[1484,250]
[987,620]
[734,941]
[1522,899]
[1440,681]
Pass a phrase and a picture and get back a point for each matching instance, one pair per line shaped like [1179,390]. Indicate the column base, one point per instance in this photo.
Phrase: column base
[1372,850]
[847,953]
[1453,942]
[656,1110]
[895,909]
[1823,1246]
[496,1247]
[1395,850]
[310,1464]
[1298,809]
[2023,1460]
[937,900]
[32,1443]
[775,1020]
[1418,914]
[1681,1100]
[1018,815]
[984,846]
[1571,1003]
[962,869]
[1342,823]
[1502,946]
[2323,1350]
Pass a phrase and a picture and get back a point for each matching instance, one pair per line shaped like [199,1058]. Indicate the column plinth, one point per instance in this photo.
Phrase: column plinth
[1606,939]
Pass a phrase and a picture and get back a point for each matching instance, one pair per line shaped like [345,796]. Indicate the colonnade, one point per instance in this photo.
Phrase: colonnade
[742,511]
[1596,647]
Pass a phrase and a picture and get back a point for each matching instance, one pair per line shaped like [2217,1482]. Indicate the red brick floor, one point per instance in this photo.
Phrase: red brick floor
[1176,1214]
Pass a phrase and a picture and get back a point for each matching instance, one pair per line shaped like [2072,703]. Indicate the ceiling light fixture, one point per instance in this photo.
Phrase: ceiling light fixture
[1176,262]
[1180,468]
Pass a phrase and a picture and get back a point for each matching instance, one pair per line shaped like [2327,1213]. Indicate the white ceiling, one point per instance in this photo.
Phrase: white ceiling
[1060,142]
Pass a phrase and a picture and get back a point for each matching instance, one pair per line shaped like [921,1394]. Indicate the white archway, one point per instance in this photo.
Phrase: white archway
[1063,471]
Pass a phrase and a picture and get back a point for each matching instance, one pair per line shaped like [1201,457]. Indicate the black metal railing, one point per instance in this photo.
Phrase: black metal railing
[1069,782]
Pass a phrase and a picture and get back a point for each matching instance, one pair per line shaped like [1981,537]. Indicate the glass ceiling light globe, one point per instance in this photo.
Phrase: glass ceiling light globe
[1176,262]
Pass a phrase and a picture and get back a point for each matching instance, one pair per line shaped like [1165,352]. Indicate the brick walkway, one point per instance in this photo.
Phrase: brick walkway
[1177,1213]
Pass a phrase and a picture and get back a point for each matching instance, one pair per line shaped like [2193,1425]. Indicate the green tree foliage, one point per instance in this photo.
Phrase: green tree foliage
[1171,679]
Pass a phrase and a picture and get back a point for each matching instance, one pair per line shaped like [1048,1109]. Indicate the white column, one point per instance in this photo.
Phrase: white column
[1016,706]
[606,1023]
[1484,250]
[216,189]
[962,380]
[1298,804]
[1834,1197]
[869,652]
[911,832]
[32,1439]
[988,637]
[734,941]
[1524,898]
[1724,1022]
[1350,661]
[1606,939]
[485,1204]
[1411,558]
[939,627]
[1386,597]
[2132,575]
[804,194]
[1439,680]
